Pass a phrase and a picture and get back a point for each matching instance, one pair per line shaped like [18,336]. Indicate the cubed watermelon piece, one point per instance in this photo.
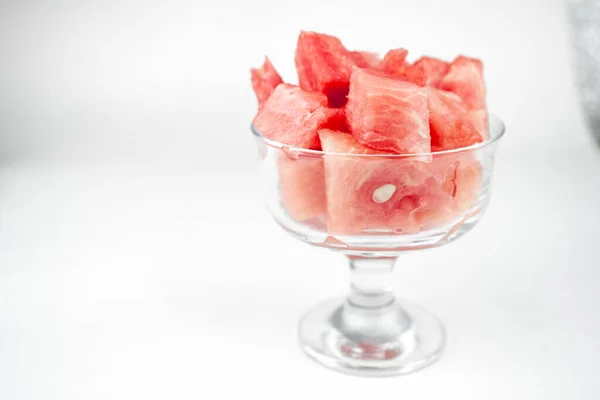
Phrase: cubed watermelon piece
[413,74]
[292,116]
[432,69]
[479,119]
[369,193]
[394,61]
[450,192]
[465,79]
[366,59]
[388,114]
[468,182]
[324,65]
[463,178]
[449,121]
[436,206]
[264,81]
[337,120]
[302,186]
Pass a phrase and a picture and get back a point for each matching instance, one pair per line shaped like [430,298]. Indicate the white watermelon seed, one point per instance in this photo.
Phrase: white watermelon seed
[384,193]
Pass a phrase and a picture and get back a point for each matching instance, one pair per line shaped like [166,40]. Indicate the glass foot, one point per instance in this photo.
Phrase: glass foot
[394,339]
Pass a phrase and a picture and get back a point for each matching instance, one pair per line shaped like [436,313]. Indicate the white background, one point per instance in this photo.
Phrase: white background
[137,260]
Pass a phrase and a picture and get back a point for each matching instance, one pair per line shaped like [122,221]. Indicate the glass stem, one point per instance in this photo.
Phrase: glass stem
[371,282]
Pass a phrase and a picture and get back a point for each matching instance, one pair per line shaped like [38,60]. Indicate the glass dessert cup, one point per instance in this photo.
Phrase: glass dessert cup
[372,208]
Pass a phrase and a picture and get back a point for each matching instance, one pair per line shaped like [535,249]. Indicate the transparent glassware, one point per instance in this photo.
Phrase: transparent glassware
[372,208]
[584,21]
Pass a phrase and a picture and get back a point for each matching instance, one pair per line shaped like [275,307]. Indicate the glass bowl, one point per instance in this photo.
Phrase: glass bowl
[372,208]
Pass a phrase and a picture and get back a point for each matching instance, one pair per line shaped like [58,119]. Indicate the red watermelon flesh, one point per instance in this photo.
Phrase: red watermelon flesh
[479,120]
[369,193]
[433,69]
[468,182]
[292,116]
[337,120]
[413,74]
[301,178]
[394,61]
[264,81]
[302,186]
[436,205]
[452,190]
[324,65]
[366,59]
[387,113]
[449,121]
[462,183]
[404,218]
[465,79]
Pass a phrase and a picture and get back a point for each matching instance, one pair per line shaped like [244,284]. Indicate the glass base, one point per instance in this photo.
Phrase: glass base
[395,339]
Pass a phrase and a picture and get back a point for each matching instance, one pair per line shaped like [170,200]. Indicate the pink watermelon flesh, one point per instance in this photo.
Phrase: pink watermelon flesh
[302,186]
[468,181]
[292,116]
[366,59]
[449,121]
[394,61]
[465,79]
[426,195]
[426,71]
[378,193]
[449,193]
[324,65]
[432,69]
[479,119]
[436,206]
[264,81]
[463,175]
[413,74]
[337,120]
[387,113]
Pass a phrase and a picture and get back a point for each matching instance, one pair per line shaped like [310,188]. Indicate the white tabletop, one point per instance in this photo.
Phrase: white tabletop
[137,260]
[129,283]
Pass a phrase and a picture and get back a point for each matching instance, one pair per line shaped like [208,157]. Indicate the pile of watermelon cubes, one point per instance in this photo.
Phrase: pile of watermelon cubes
[355,102]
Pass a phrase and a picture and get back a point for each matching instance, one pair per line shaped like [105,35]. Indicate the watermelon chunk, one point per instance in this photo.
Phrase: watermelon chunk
[337,120]
[479,119]
[436,206]
[302,186]
[451,190]
[413,74]
[460,176]
[369,193]
[394,61]
[366,59]
[465,79]
[292,116]
[264,81]
[426,71]
[468,182]
[449,121]
[324,65]
[387,113]
[432,69]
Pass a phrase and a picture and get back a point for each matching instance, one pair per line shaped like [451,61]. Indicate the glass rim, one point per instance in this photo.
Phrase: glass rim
[495,135]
